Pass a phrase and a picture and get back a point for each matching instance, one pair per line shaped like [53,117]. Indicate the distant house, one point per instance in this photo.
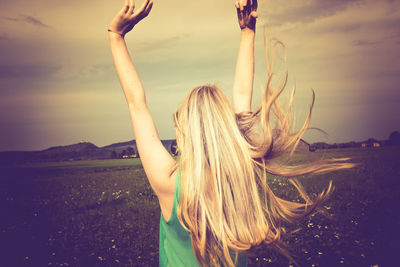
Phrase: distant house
[130,156]
[371,143]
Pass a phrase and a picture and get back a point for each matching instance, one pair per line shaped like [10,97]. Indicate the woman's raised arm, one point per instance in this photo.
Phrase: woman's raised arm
[156,160]
[244,73]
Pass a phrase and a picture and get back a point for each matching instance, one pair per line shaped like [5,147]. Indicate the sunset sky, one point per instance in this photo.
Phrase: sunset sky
[58,85]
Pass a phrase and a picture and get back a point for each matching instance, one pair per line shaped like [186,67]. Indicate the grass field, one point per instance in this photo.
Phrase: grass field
[104,213]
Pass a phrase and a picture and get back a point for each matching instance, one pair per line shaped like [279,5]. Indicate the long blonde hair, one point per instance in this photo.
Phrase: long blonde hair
[226,203]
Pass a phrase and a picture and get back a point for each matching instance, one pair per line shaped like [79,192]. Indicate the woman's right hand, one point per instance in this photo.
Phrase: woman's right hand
[247,13]
[126,18]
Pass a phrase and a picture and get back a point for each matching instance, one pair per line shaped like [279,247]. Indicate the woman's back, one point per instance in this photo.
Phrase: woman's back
[175,245]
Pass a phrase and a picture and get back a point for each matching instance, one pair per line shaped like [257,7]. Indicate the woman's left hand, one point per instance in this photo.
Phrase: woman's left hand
[127,18]
[247,13]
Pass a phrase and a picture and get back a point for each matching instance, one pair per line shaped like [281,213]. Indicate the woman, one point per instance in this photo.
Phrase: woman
[215,202]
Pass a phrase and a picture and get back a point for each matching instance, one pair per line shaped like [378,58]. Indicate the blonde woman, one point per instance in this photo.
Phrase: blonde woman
[215,202]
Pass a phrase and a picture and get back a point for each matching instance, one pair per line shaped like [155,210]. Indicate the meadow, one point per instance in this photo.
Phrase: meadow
[104,213]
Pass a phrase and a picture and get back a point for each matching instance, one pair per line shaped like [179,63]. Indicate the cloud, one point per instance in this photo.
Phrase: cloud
[340,28]
[364,43]
[26,71]
[293,11]
[30,20]
[96,71]
[392,38]
[161,43]
[358,23]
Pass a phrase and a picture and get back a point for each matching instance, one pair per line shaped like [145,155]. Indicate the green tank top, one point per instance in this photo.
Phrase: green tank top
[175,245]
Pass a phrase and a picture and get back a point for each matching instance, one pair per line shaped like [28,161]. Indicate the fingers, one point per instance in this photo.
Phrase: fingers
[237,5]
[246,6]
[247,13]
[148,8]
[242,4]
[131,7]
[143,7]
[125,7]
[144,10]
[254,5]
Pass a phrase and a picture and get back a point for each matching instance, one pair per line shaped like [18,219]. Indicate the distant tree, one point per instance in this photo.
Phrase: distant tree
[394,138]
[352,144]
[114,155]
[130,151]
[122,154]
[320,145]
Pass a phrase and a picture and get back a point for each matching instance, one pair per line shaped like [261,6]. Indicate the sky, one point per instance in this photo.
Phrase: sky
[58,85]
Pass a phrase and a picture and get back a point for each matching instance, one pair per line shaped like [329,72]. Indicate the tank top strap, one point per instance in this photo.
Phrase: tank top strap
[177,189]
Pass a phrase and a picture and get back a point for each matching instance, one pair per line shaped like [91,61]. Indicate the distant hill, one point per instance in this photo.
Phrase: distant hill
[81,146]
[79,151]
[119,147]
[121,144]
[88,151]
